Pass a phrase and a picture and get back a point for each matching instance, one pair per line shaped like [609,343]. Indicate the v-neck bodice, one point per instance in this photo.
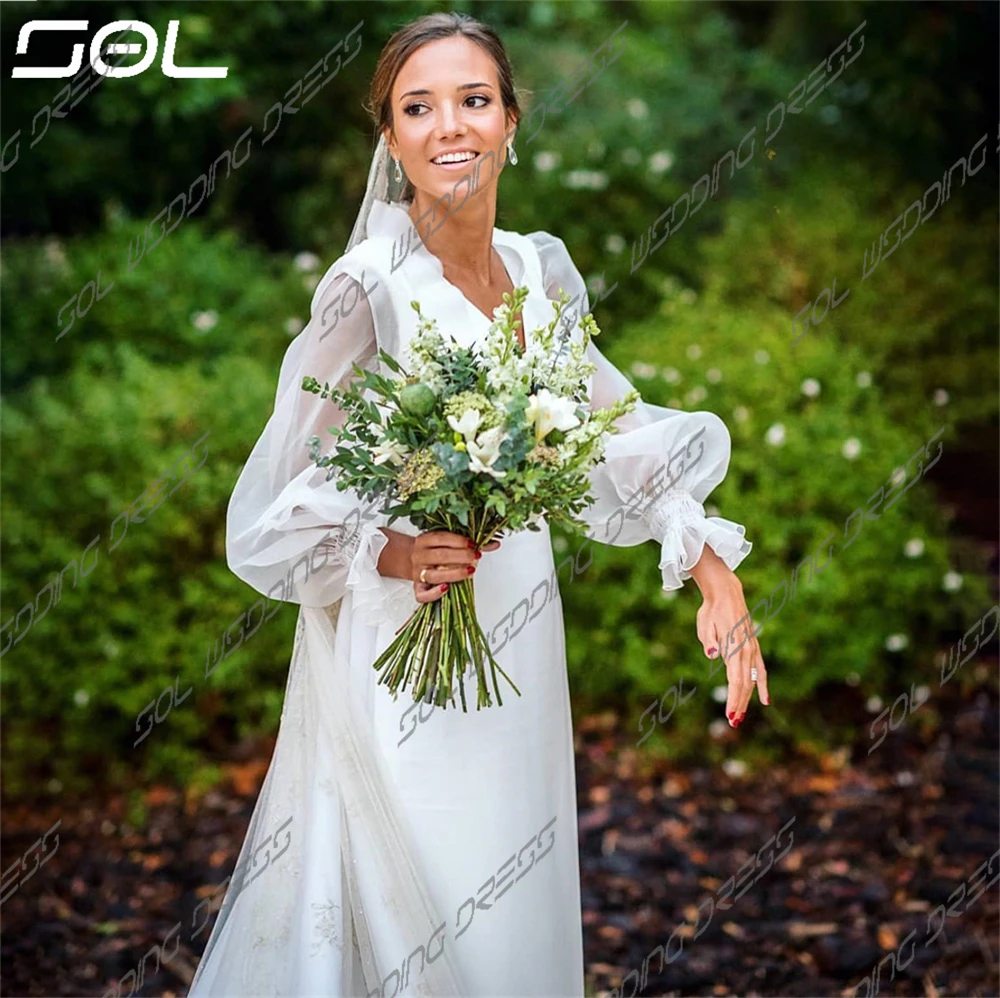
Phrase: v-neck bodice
[439,298]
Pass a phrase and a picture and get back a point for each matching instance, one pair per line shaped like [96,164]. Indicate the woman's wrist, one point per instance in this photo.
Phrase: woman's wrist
[711,574]
[394,560]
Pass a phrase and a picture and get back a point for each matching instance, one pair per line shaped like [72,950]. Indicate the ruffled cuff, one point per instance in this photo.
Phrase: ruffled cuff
[376,597]
[679,519]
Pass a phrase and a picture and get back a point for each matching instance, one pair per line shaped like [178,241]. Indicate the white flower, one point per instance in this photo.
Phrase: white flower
[718,728]
[852,678]
[952,582]
[81,698]
[468,424]
[643,370]
[696,394]
[293,325]
[637,108]
[204,321]
[851,448]
[913,548]
[873,704]
[560,544]
[594,180]
[810,388]
[720,694]
[762,356]
[734,767]
[546,161]
[714,375]
[941,397]
[550,412]
[614,243]
[306,261]
[775,435]
[390,450]
[741,414]
[484,451]
[896,642]
[694,351]
[661,161]
[670,375]
[863,380]
[712,511]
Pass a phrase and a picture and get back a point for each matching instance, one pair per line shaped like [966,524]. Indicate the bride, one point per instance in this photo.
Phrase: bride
[403,849]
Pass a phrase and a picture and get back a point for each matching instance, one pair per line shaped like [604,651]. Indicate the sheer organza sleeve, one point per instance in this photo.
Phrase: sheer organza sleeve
[660,465]
[290,533]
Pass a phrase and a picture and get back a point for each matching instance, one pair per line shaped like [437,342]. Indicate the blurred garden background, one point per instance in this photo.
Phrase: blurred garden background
[105,385]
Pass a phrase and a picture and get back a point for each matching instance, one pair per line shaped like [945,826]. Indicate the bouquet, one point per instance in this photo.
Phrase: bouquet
[476,441]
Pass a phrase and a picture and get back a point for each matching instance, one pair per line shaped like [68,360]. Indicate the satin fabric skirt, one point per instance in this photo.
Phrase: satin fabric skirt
[426,850]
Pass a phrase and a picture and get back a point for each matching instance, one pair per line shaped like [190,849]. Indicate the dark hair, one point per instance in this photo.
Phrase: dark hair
[412,36]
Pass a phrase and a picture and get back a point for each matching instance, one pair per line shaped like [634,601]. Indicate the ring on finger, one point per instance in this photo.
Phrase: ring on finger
[753,675]
[423,574]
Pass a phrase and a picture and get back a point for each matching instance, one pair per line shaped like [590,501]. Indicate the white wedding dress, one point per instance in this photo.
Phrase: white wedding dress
[398,848]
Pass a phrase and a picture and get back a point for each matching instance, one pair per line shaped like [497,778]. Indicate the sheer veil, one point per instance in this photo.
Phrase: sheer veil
[342,904]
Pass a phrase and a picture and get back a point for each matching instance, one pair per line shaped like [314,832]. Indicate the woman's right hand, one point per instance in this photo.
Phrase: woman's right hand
[443,558]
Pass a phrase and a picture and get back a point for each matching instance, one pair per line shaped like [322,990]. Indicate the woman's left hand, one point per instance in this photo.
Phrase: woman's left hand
[723,608]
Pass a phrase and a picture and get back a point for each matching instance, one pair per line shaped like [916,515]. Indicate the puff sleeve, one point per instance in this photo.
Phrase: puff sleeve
[660,465]
[290,533]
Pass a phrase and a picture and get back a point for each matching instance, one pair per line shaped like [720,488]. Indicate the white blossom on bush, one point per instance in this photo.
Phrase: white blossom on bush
[775,435]
[851,448]
[306,261]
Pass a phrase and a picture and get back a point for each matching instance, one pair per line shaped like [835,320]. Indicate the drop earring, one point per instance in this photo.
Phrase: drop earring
[511,155]
[399,173]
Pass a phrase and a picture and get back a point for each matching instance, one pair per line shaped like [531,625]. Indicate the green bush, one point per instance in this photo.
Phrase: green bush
[626,639]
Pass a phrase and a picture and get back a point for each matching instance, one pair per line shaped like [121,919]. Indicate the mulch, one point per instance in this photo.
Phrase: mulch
[869,847]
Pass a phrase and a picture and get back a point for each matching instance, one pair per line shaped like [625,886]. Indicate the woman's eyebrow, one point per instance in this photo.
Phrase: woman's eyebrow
[464,86]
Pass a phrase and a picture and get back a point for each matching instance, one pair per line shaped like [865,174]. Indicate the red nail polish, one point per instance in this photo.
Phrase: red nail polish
[744,714]
[472,568]
[730,714]
[444,588]
[479,554]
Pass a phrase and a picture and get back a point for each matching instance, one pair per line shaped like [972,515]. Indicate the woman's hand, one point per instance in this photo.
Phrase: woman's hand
[723,608]
[443,558]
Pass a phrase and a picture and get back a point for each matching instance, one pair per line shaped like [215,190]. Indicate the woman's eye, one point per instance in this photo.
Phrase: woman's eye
[409,109]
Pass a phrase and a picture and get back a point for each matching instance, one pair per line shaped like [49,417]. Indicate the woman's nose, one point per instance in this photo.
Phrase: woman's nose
[450,121]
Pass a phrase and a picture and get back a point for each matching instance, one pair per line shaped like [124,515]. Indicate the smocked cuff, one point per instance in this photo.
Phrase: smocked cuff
[679,519]
[377,598]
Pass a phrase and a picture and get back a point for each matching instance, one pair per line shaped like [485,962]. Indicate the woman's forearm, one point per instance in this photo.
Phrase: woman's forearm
[395,562]
[712,574]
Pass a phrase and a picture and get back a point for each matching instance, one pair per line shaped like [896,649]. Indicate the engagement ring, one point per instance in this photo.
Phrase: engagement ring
[423,575]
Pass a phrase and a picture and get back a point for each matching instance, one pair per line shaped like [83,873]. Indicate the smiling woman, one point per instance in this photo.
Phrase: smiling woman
[446,863]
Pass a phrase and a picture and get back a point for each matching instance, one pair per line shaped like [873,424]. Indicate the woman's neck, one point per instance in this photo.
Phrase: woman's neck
[463,241]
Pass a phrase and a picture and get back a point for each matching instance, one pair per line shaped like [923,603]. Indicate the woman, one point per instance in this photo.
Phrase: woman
[404,849]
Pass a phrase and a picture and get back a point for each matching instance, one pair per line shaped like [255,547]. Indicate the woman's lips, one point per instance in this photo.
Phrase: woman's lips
[458,165]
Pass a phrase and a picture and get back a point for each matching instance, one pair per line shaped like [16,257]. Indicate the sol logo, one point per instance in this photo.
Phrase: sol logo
[127,48]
